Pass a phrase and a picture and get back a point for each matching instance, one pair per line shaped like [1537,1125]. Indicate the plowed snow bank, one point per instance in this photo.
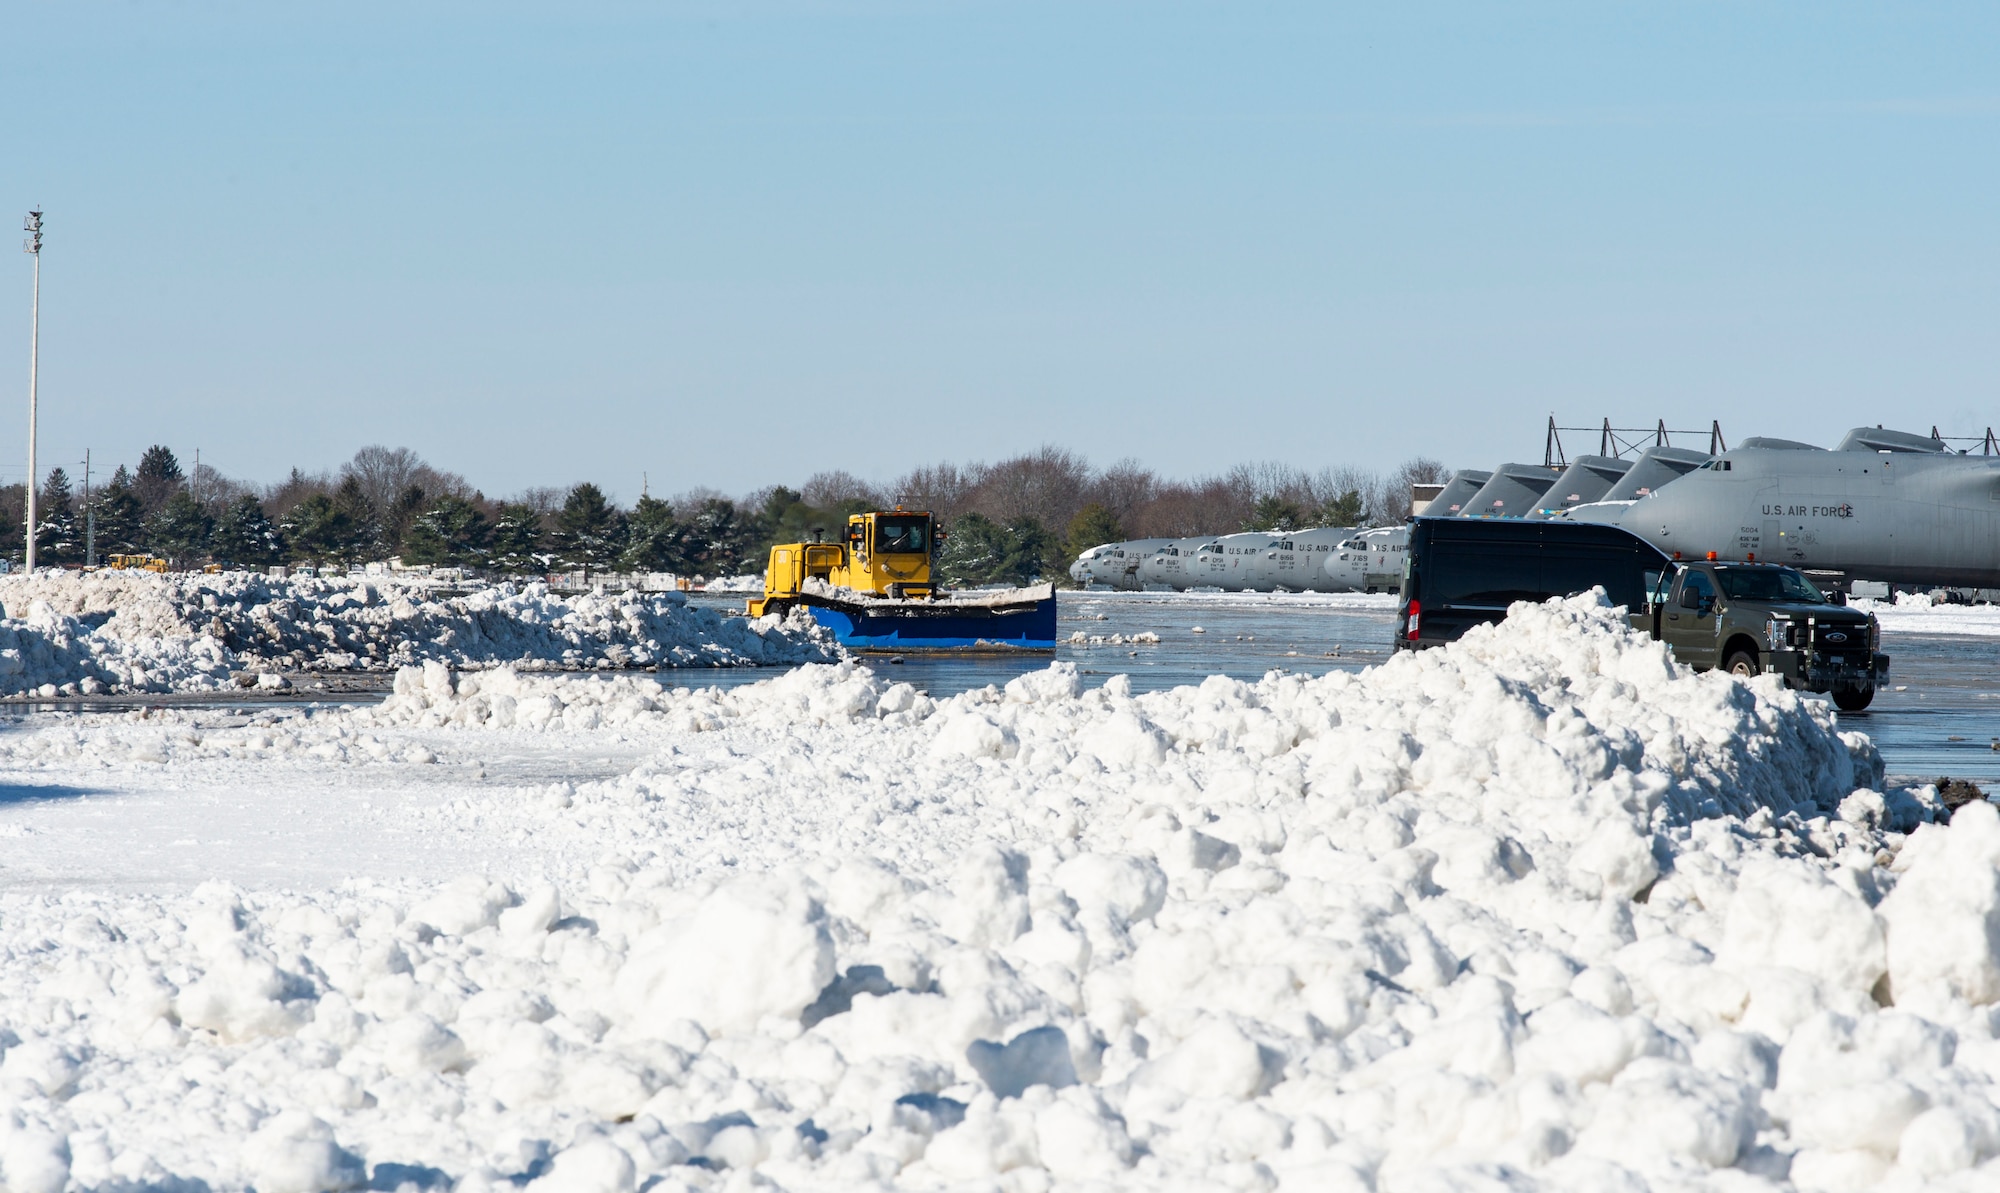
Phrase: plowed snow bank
[140,632]
[1540,909]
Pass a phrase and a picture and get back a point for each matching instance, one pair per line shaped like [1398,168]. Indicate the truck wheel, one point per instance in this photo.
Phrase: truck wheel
[1743,663]
[1853,699]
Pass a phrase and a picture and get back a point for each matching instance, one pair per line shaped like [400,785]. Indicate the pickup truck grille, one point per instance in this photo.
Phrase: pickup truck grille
[1839,637]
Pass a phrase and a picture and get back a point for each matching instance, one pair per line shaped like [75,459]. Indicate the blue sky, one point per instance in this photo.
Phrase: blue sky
[729,245]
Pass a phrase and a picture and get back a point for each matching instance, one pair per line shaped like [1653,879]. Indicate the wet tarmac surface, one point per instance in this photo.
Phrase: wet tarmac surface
[1940,716]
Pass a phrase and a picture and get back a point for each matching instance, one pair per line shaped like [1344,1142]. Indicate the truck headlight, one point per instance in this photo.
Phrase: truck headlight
[1777,632]
[1874,633]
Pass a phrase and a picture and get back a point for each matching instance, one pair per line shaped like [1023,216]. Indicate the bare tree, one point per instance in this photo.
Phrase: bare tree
[215,491]
[825,490]
[543,499]
[1123,488]
[1420,470]
[945,488]
[1047,486]
[383,473]
[281,497]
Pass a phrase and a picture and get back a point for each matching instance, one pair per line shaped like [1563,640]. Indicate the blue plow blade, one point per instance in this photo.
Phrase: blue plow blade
[1030,626]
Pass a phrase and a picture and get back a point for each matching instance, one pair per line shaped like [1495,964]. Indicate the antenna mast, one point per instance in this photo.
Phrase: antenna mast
[33,247]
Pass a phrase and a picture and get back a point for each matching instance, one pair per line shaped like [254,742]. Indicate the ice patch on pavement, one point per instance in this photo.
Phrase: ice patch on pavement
[1538,909]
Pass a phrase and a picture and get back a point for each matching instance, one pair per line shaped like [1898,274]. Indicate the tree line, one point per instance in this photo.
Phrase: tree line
[1014,521]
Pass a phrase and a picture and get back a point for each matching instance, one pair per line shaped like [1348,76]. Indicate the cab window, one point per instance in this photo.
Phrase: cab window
[907,536]
[1695,589]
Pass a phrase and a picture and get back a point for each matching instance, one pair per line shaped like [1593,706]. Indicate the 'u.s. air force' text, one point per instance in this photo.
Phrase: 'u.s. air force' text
[1809,511]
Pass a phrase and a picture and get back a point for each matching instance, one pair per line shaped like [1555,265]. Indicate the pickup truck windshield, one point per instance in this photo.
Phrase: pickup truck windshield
[1768,584]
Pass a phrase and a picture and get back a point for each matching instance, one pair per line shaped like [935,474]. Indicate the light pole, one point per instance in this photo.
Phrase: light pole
[33,246]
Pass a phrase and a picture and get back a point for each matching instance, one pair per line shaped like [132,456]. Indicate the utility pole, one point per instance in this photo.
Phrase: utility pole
[33,246]
[89,517]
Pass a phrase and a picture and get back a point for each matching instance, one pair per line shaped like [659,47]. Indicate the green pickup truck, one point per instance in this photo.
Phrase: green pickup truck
[1747,618]
[1752,618]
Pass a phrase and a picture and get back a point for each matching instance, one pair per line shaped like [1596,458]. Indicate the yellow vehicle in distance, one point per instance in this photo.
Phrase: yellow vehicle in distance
[885,554]
[139,563]
[876,590]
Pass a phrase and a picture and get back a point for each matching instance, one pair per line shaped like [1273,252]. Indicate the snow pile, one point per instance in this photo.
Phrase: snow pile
[1141,638]
[752,582]
[435,696]
[1541,908]
[95,632]
[1919,613]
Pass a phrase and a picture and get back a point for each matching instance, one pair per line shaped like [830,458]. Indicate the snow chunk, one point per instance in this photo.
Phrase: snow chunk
[754,947]
[1944,915]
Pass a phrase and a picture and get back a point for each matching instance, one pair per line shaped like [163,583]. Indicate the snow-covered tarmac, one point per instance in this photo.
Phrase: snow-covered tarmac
[1539,910]
[1917,614]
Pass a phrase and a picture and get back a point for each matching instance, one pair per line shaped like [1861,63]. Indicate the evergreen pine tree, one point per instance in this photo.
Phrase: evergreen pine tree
[981,551]
[362,518]
[655,541]
[1029,547]
[589,532]
[1093,526]
[13,521]
[975,552]
[453,532]
[517,541]
[1348,509]
[718,541]
[403,512]
[56,538]
[159,477]
[245,536]
[180,531]
[120,516]
[320,530]
[1274,513]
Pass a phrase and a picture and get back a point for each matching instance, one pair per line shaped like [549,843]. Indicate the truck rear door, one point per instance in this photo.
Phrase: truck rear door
[1689,624]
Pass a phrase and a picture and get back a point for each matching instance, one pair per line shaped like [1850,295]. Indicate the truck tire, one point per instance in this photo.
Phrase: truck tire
[1853,699]
[1742,663]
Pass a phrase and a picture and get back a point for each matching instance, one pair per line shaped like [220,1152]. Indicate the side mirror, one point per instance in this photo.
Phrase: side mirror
[1690,599]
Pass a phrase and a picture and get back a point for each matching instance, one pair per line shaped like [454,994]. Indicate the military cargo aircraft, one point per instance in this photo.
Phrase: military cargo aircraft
[1295,560]
[1514,490]
[1898,510]
[1371,561]
[1229,561]
[1457,493]
[1656,466]
[1114,565]
[1587,479]
[1170,564]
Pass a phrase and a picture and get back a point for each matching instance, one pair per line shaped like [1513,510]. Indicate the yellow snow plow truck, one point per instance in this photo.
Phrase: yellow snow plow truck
[875,590]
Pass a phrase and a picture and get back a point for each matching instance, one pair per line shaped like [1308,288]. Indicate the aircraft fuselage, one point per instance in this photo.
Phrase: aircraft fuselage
[1900,517]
